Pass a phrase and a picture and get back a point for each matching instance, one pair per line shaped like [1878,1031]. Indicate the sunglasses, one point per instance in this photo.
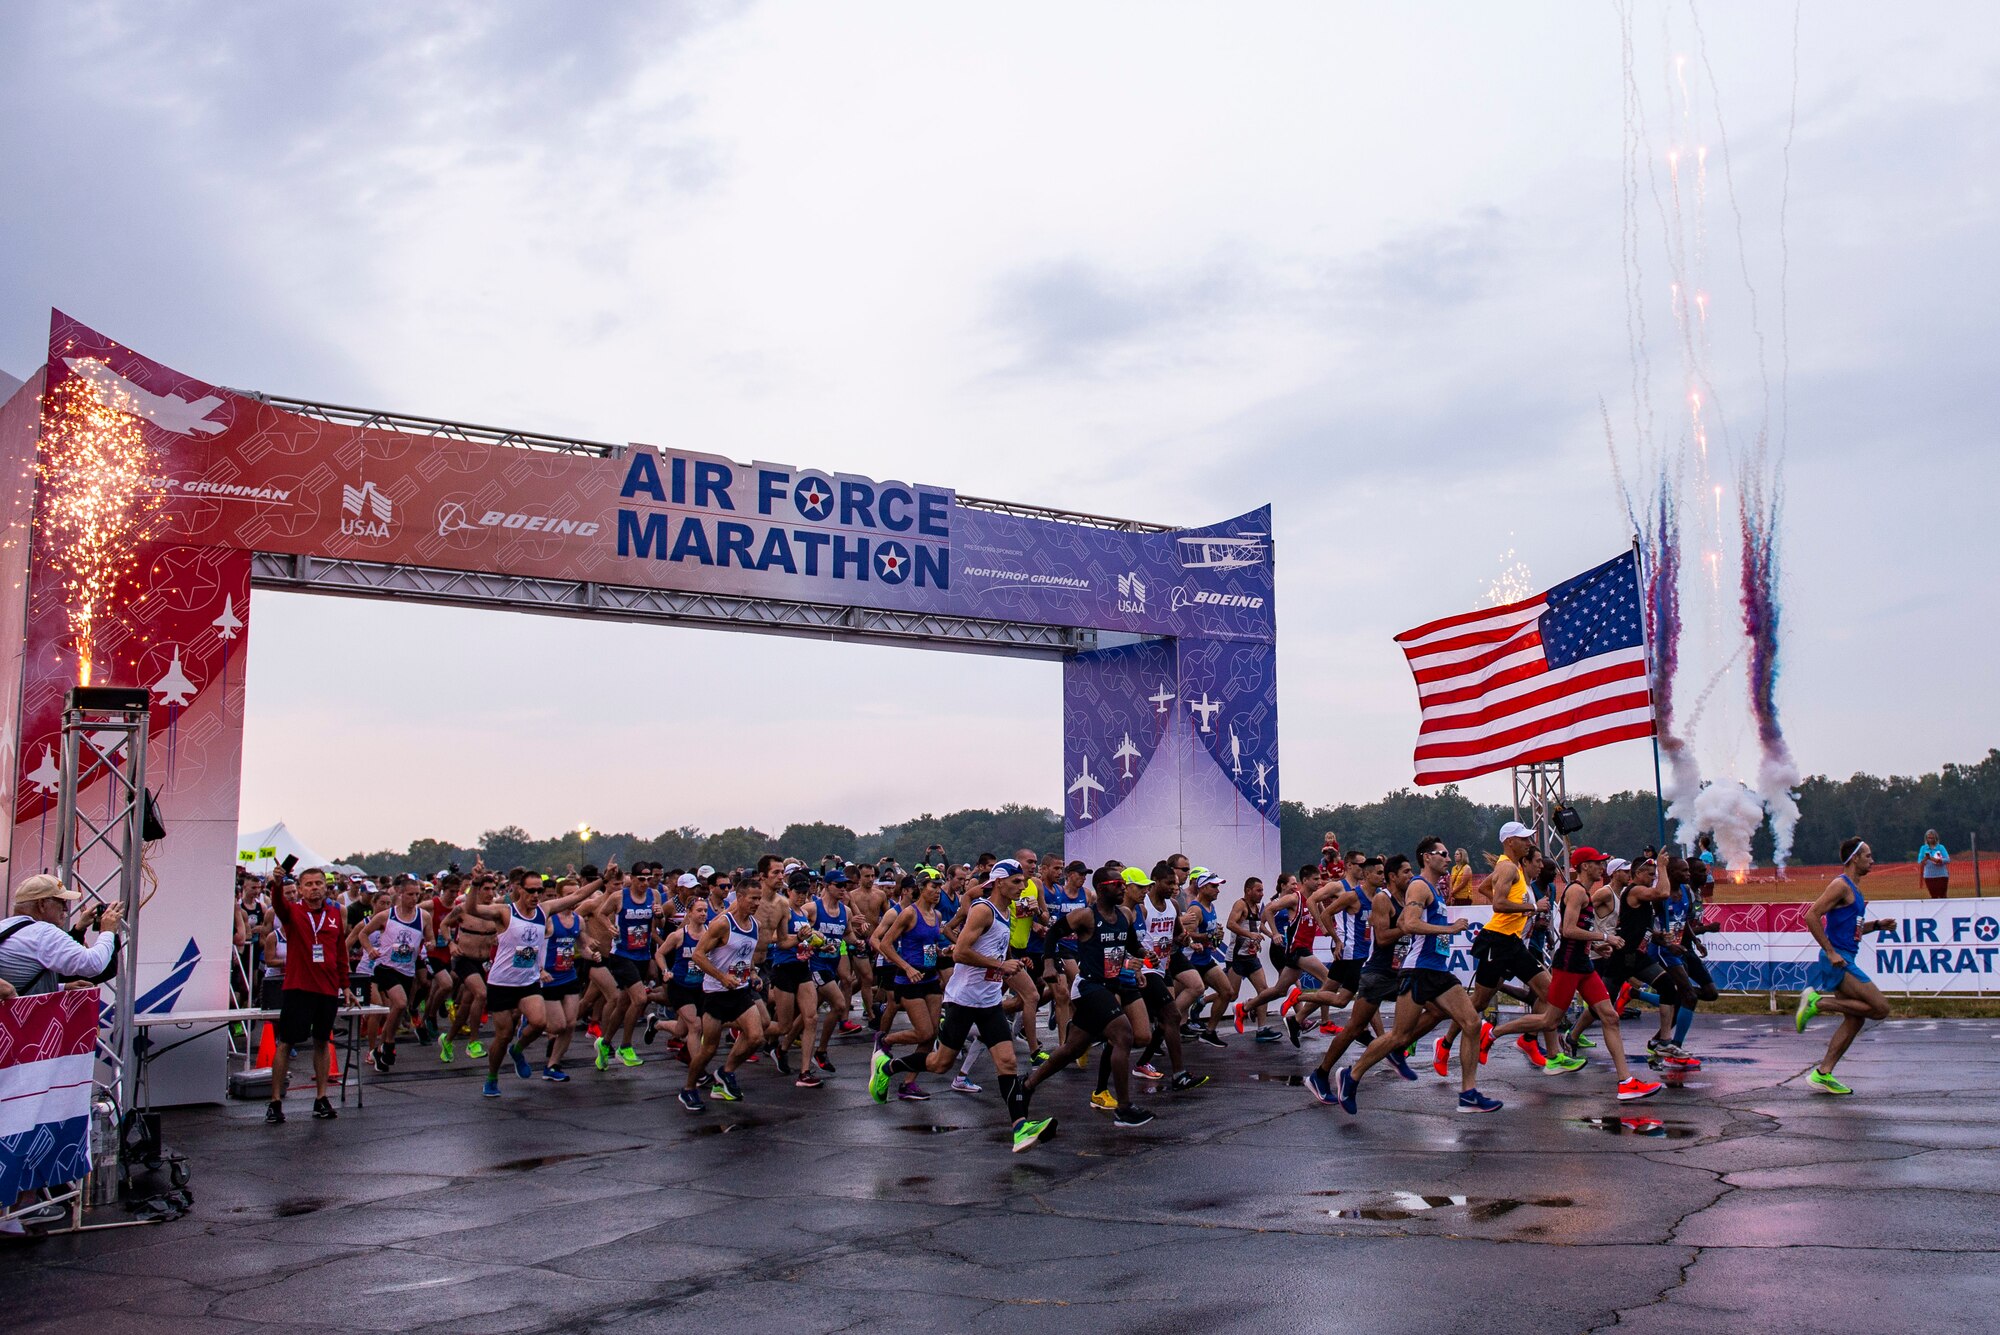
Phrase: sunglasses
[725,885]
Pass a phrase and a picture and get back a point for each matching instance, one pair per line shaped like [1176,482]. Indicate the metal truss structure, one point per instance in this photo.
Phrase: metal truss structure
[621,602]
[1538,791]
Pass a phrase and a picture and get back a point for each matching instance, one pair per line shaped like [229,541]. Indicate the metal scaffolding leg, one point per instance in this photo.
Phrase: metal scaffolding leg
[100,824]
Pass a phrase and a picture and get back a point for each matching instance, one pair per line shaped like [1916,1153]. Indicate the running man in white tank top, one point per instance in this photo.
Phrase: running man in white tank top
[972,997]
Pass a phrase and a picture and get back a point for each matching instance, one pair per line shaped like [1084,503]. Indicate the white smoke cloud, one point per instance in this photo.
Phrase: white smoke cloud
[1733,813]
[1777,776]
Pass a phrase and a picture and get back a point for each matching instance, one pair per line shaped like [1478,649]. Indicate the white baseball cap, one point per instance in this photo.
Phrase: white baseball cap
[687,882]
[1616,865]
[1513,829]
[704,871]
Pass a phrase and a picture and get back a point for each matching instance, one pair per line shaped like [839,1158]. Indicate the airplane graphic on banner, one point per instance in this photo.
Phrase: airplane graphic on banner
[174,688]
[169,412]
[227,624]
[1206,708]
[1127,753]
[1161,698]
[1086,785]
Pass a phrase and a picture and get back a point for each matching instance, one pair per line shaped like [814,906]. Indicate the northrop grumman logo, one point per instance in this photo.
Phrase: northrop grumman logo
[365,512]
[1131,593]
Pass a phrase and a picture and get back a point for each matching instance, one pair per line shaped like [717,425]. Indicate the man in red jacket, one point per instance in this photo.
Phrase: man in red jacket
[315,974]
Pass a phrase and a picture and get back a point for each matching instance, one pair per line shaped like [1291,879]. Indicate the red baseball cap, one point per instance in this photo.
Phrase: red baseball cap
[1579,856]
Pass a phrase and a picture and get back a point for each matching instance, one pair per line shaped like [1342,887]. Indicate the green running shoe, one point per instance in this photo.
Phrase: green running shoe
[1585,1041]
[445,1050]
[475,1049]
[1029,1130]
[878,1077]
[630,1058]
[1808,1008]
[603,1054]
[1825,1083]
[1563,1064]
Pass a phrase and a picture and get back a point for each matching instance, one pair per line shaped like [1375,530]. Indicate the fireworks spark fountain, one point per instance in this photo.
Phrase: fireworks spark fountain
[99,503]
[1673,487]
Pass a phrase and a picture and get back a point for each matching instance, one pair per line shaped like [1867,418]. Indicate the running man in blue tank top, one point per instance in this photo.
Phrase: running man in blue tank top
[1431,988]
[1836,982]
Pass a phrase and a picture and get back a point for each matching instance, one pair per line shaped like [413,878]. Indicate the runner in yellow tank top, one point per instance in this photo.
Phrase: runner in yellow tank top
[1502,950]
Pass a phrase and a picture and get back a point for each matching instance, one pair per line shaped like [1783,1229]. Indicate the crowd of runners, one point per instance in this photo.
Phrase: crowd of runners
[1027,962]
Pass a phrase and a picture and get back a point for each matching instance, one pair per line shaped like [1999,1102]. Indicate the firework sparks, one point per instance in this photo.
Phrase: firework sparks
[1513,583]
[99,502]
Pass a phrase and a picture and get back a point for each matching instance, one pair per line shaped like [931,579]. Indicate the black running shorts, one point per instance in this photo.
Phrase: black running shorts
[1502,957]
[1095,1009]
[958,1021]
[1427,985]
[1381,986]
[790,976]
[728,1007]
[625,972]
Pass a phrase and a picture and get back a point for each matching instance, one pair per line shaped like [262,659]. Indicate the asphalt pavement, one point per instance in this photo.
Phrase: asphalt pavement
[1739,1201]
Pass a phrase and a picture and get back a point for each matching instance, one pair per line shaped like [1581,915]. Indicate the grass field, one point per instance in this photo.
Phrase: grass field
[1891,880]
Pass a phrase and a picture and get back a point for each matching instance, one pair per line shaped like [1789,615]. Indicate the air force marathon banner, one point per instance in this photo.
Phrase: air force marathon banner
[1170,738]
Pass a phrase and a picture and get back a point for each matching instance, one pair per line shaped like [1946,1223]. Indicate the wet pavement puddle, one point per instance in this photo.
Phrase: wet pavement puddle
[1652,1127]
[1400,1205]
[1295,1081]
[725,1128]
[544,1160]
[928,1129]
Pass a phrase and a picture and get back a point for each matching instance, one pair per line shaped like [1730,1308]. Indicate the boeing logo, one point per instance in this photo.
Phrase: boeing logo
[366,512]
[1203,598]
[526,523]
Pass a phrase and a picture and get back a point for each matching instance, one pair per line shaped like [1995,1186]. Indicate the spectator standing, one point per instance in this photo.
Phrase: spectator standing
[1934,865]
[315,976]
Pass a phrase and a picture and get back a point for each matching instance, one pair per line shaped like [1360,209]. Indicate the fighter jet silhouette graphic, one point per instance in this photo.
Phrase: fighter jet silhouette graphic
[169,412]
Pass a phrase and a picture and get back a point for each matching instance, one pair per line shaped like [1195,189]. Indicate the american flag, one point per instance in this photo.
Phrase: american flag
[1552,675]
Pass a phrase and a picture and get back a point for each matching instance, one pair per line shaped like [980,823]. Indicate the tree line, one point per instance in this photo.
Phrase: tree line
[1893,813]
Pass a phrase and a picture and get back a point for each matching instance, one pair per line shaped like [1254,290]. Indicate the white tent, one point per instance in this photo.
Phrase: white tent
[262,850]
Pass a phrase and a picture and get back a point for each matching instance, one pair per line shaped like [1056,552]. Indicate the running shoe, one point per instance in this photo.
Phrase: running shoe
[961,1084]
[521,1067]
[1187,1080]
[819,1058]
[783,1059]
[652,1027]
[1344,1089]
[1402,1065]
[1240,1012]
[1038,1056]
[1485,1040]
[912,1092]
[850,1026]
[1329,1028]
[445,1050]
[1585,1041]
[423,1034]
[878,1077]
[1291,1000]
[1624,995]
[1210,1037]
[1321,1090]
[323,1110]
[627,1057]
[1634,1089]
[379,1062]
[1825,1083]
[1532,1051]
[806,1080]
[1029,1130]
[275,1114]
[1292,1029]
[1126,1118]
[475,1049]
[1440,1058]
[603,1053]
[691,1100]
[491,1089]
[1267,1035]
[389,1054]
[556,1073]
[1104,1101]
[726,1088]
[1808,1007]
[1189,1029]
[1563,1065]
[1148,1071]
[1472,1101]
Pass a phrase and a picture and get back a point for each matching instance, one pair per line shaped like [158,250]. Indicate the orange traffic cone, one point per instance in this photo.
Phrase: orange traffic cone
[267,1048]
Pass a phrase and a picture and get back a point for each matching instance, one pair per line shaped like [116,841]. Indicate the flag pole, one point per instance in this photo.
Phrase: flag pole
[1659,793]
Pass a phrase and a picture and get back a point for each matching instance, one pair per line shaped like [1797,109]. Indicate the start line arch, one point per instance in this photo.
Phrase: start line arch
[1166,636]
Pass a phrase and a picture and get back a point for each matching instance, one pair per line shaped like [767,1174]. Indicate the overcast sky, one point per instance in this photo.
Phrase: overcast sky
[1152,260]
